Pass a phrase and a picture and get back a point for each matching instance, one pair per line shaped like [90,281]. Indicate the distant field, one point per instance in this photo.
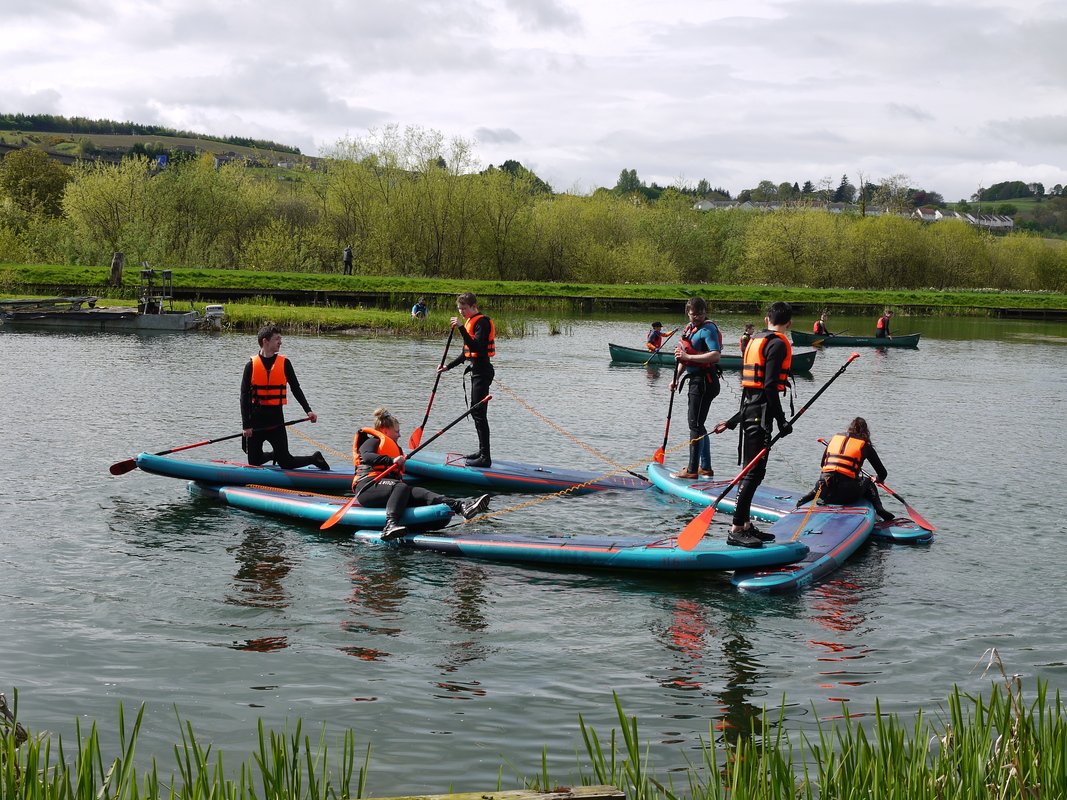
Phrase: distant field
[65,142]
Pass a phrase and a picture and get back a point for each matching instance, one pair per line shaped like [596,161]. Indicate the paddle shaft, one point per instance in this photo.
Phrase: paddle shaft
[416,435]
[695,530]
[659,454]
[337,516]
[123,467]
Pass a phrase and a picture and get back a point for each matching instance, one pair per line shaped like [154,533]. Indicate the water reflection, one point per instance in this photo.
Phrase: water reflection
[378,592]
[262,567]
[468,604]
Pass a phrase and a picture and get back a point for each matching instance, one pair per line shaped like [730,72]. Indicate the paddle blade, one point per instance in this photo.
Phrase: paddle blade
[415,438]
[918,519]
[657,456]
[122,467]
[693,532]
[338,515]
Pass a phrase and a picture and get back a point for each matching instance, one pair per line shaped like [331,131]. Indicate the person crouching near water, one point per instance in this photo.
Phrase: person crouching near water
[377,451]
[842,481]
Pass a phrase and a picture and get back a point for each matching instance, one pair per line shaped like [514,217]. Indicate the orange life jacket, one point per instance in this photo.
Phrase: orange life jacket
[844,455]
[654,341]
[269,389]
[387,446]
[883,323]
[818,327]
[469,327]
[753,373]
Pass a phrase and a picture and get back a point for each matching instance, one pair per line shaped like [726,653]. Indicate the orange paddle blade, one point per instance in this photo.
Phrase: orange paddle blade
[658,456]
[693,532]
[415,438]
[338,515]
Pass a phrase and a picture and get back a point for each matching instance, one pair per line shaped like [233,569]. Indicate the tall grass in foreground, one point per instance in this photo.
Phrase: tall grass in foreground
[973,748]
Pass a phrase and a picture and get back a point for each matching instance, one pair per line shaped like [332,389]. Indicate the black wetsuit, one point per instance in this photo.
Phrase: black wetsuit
[255,416]
[391,493]
[482,373]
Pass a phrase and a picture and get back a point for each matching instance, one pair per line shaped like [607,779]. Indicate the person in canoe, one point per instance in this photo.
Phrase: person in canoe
[764,378]
[379,478]
[881,330]
[263,399]
[842,481]
[820,326]
[746,337]
[698,351]
[655,337]
[479,347]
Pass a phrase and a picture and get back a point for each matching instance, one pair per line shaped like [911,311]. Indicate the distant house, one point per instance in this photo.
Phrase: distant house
[286,163]
[708,205]
[999,222]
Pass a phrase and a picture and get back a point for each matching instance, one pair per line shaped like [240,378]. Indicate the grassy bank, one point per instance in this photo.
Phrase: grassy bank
[975,747]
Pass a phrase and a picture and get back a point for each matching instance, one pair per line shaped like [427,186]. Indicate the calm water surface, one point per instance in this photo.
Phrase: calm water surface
[128,589]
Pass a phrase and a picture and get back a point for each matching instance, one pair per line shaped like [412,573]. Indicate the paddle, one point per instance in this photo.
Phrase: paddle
[122,467]
[344,509]
[656,351]
[693,532]
[916,517]
[416,435]
[662,451]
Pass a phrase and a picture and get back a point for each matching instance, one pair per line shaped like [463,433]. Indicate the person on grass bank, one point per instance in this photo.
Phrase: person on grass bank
[764,378]
[479,347]
[263,399]
[379,478]
[698,351]
[419,310]
[842,481]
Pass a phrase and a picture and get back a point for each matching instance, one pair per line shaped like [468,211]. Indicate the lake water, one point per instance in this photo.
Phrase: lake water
[128,589]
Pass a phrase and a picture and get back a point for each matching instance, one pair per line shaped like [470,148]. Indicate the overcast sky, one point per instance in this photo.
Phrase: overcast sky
[955,94]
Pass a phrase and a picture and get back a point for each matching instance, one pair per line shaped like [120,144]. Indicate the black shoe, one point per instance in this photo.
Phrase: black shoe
[473,456]
[763,537]
[886,516]
[473,506]
[392,530]
[480,461]
[743,539]
[319,460]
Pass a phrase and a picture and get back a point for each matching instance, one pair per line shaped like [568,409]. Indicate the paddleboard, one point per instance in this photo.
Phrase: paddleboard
[832,534]
[516,476]
[330,481]
[318,508]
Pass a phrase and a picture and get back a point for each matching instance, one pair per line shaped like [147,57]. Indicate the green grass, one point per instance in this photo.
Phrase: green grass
[974,747]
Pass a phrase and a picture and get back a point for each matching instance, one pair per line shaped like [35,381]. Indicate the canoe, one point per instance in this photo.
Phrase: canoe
[771,504]
[318,508]
[802,338]
[516,476]
[832,534]
[331,481]
[802,362]
[617,553]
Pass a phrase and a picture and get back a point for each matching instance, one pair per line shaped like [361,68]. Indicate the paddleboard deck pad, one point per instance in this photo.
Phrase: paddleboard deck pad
[515,476]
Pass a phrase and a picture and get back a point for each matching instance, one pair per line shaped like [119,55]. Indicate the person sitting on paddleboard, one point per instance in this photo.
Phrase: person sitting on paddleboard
[655,337]
[820,326]
[746,337]
[699,351]
[881,330]
[842,481]
[263,398]
[379,478]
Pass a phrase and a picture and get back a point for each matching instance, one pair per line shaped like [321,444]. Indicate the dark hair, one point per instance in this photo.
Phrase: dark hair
[858,428]
[467,299]
[657,324]
[698,305]
[266,332]
[779,312]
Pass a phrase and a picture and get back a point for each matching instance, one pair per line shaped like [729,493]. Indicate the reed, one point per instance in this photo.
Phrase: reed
[997,747]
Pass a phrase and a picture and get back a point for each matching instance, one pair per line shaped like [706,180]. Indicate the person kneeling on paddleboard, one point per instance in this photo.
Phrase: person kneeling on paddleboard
[842,481]
[379,479]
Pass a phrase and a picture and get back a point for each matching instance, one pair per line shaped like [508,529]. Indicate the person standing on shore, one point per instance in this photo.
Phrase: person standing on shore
[263,399]
[764,377]
[479,347]
[699,351]
[346,259]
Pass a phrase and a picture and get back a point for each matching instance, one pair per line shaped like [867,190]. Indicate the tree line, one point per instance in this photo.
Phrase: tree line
[412,203]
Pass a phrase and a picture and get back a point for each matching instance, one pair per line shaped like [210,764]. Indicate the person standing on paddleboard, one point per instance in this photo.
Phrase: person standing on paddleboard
[699,350]
[479,347]
[263,399]
[842,481]
[764,378]
[379,478]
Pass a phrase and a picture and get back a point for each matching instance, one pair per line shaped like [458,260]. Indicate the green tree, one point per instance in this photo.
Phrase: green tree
[34,182]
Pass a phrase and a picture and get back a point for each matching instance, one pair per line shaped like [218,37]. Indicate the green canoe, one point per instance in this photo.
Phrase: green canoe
[802,362]
[818,339]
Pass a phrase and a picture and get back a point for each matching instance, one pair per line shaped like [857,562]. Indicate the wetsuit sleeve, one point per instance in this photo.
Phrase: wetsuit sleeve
[479,343]
[775,352]
[294,386]
[369,455]
[246,395]
[871,455]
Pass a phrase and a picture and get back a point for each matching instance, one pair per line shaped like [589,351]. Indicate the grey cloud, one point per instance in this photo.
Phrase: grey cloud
[1046,131]
[497,136]
[909,112]
[545,15]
